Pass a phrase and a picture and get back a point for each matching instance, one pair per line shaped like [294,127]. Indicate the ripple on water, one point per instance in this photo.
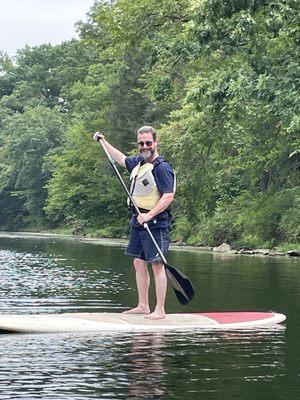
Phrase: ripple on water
[206,365]
[116,366]
[40,283]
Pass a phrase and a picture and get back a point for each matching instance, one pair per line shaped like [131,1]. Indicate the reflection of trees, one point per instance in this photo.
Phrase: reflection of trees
[146,367]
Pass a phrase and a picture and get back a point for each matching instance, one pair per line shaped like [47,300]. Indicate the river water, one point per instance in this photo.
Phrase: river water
[54,275]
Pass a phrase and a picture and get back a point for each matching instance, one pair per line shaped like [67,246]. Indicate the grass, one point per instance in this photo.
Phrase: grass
[288,246]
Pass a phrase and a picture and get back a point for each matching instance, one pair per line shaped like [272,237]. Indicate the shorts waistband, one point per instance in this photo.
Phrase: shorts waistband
[142,210]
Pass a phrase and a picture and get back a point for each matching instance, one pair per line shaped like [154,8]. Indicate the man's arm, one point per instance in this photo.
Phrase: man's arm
[163,203]
[166,183]
[115,154]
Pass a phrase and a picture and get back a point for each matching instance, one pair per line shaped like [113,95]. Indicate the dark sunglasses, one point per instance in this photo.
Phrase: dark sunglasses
[147,143]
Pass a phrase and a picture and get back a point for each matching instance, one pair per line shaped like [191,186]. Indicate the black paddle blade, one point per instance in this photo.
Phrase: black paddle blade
[182,286]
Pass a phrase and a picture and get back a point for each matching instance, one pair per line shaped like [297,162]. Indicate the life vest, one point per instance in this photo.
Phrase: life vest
[143,187]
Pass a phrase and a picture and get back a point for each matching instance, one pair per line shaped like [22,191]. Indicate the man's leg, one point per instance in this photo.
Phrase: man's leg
[142,282]
[160,278]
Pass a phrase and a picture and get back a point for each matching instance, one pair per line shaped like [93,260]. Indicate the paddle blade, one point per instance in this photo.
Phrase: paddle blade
[182,286]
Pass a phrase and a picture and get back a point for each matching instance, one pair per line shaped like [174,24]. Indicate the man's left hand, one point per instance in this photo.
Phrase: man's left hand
[144,217]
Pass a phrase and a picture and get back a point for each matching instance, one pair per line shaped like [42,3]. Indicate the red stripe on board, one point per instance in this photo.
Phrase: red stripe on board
[232,317]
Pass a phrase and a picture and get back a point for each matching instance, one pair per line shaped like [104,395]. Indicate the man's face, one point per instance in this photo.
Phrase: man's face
[147,145]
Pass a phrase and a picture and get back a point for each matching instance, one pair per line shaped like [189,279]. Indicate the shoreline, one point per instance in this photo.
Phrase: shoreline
[173,246]
[86,239]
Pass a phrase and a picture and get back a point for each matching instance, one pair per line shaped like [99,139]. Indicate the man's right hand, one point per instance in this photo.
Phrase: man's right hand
[113,152]
[97,136]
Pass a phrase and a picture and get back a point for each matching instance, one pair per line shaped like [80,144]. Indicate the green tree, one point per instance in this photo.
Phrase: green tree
[25,141]
[83,189]
[236,129]
[220,81]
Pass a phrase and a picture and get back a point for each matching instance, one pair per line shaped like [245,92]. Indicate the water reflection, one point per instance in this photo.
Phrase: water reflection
[261,364]
[146,355]
[139,366]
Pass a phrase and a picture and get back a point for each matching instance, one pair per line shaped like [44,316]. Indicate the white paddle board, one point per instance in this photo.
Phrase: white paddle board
[117,322]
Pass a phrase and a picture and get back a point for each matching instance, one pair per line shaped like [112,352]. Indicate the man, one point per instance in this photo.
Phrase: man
[152,187]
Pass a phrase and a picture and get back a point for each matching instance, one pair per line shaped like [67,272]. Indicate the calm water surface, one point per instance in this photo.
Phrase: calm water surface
[51,275]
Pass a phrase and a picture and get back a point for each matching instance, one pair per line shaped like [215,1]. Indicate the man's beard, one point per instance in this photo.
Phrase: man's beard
[147,155]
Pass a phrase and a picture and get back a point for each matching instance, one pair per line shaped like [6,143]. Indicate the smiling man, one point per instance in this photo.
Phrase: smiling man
[152,186]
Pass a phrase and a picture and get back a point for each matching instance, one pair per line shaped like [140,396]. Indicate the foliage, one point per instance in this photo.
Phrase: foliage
[26,140]
[75,191]
[219,79]
[32,123]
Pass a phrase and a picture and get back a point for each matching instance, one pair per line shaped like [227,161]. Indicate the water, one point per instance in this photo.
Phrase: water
[49,275]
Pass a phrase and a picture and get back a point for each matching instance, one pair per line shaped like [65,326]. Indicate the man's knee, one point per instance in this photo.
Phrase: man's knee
[157,267]
[138,263]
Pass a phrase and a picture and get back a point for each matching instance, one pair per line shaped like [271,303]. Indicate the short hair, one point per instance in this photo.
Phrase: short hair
[147,129]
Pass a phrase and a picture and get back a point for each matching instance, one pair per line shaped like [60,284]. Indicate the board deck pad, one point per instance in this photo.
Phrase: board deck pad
[118,322]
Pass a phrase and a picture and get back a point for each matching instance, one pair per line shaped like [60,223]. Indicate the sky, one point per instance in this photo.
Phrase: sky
[35,22]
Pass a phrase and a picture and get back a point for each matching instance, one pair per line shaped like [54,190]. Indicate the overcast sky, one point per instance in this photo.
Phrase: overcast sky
[35,22]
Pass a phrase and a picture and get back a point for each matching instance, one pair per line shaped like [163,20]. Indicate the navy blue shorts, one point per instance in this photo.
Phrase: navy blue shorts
[141,246]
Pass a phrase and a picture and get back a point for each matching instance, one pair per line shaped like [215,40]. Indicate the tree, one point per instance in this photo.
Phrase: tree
[82,189]
[236,125]
[25,142]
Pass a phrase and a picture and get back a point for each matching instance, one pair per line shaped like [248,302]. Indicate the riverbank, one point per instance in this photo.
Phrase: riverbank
[85,239]
[224,249]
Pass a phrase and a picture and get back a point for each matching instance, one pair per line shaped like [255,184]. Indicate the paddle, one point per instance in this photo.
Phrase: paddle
[182,286]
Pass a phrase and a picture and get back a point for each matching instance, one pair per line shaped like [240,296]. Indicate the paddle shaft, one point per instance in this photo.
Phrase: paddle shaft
[145,225]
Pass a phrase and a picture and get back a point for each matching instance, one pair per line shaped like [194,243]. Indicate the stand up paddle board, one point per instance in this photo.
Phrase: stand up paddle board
[117,322]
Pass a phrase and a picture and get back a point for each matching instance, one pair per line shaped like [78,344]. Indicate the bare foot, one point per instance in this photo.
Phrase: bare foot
[138,310]
[156,315]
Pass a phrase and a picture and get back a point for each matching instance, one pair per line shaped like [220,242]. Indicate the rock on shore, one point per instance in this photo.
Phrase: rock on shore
[223,248]
[226,248]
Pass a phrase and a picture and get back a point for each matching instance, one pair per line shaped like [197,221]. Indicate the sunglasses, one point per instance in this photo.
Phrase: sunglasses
[148,143]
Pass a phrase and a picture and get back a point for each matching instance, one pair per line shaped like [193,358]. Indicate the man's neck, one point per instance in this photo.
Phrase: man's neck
[155,155]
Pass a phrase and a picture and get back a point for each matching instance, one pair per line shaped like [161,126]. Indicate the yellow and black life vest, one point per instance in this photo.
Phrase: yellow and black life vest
[143,187]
